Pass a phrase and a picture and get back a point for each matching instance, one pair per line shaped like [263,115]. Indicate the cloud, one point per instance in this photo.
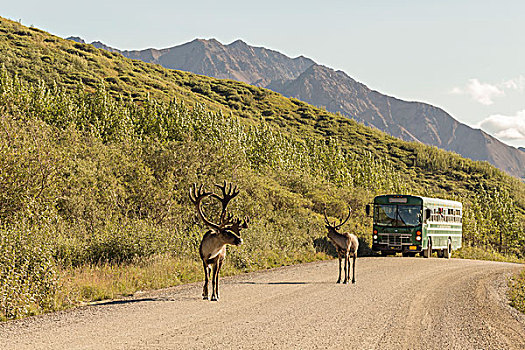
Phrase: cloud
[504,127]
[515,84]
[483,93]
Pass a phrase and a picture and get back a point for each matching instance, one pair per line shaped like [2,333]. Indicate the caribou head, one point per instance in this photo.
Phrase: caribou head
[229,227]
[335,227]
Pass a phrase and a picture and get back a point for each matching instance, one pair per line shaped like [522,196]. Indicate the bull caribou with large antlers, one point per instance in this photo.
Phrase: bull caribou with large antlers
[213,245]
[345,243]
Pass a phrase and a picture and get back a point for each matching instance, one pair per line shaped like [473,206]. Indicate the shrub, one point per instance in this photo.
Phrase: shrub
[28,275]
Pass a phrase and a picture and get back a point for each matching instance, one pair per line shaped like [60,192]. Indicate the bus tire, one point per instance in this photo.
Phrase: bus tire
[441,253]
[427,253]
[448,251]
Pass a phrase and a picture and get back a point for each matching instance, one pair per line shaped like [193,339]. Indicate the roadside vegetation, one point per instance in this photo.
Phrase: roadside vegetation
[95,171]
[517,291]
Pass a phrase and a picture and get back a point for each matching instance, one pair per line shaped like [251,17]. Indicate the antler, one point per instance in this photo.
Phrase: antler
[326,218]
[228,193]
[196,196]
[236,223]
[341,222]
[348,217]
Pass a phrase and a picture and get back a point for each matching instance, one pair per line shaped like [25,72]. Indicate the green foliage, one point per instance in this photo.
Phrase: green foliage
[482,253]
[493,221]
[517,291]
[28,276]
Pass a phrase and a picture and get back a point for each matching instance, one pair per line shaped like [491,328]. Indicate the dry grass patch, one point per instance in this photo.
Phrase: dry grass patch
[110,281]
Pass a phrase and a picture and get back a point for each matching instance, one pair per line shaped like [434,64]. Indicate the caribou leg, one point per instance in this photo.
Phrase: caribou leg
[214,282]
[347,267]
[219,265]
[353,267]
[339,256]
[206,279]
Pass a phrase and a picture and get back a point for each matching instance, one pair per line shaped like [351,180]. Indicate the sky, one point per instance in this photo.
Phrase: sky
[465,56]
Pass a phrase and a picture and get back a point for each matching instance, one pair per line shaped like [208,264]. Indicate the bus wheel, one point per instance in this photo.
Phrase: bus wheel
[427,253]
[441,253]
[448,251]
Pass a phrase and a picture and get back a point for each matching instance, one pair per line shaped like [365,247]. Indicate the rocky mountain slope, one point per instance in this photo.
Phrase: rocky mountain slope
[303,79]
[238,61]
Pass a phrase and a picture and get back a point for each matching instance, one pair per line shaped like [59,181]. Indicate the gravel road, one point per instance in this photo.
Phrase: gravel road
[397,303]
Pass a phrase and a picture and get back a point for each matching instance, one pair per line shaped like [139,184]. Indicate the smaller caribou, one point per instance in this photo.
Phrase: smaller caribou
[345,243]
[212,249]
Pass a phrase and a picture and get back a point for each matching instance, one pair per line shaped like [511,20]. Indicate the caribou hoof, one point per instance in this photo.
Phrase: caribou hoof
[353,281]
[338,281]
[213,298]
[204,297]
[345,282]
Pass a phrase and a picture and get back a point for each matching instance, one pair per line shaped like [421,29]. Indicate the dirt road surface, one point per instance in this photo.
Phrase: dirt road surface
[397,303]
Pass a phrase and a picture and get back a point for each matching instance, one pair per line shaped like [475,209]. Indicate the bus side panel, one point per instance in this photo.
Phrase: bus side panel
[457,242]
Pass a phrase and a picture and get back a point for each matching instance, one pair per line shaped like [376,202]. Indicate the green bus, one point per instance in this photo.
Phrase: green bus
[412,224]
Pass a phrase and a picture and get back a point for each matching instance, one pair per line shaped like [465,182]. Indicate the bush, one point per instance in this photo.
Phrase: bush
[28,274]
[517,291]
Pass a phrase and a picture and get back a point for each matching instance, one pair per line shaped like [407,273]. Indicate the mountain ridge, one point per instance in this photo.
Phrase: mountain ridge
[304,79]
[211,58]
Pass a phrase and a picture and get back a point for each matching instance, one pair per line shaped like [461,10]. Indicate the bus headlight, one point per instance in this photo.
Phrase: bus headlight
[375,237]
[418,238]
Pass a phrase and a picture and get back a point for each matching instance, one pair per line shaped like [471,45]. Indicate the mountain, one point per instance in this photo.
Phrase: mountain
[237,61]
[308,81]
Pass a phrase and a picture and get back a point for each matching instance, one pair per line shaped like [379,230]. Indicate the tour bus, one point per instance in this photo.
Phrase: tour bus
[413,224]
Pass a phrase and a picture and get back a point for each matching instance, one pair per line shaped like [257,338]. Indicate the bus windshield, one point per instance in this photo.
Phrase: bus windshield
[397,215]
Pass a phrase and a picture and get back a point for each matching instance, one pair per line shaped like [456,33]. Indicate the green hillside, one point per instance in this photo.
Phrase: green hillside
[97,153]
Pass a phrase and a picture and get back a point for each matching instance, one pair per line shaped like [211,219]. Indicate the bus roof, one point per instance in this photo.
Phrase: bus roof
[387,198]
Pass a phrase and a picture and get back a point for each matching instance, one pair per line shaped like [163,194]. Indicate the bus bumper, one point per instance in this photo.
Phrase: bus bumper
[405,248]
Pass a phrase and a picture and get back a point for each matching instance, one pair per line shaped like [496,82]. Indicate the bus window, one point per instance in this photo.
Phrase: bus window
[397,215]
[410,215]
[385,214]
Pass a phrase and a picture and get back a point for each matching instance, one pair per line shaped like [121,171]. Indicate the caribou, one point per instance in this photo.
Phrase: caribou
[212,249]
[346,244]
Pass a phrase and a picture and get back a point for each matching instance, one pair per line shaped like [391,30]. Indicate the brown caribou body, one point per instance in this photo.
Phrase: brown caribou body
[212,249]
[346,245]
